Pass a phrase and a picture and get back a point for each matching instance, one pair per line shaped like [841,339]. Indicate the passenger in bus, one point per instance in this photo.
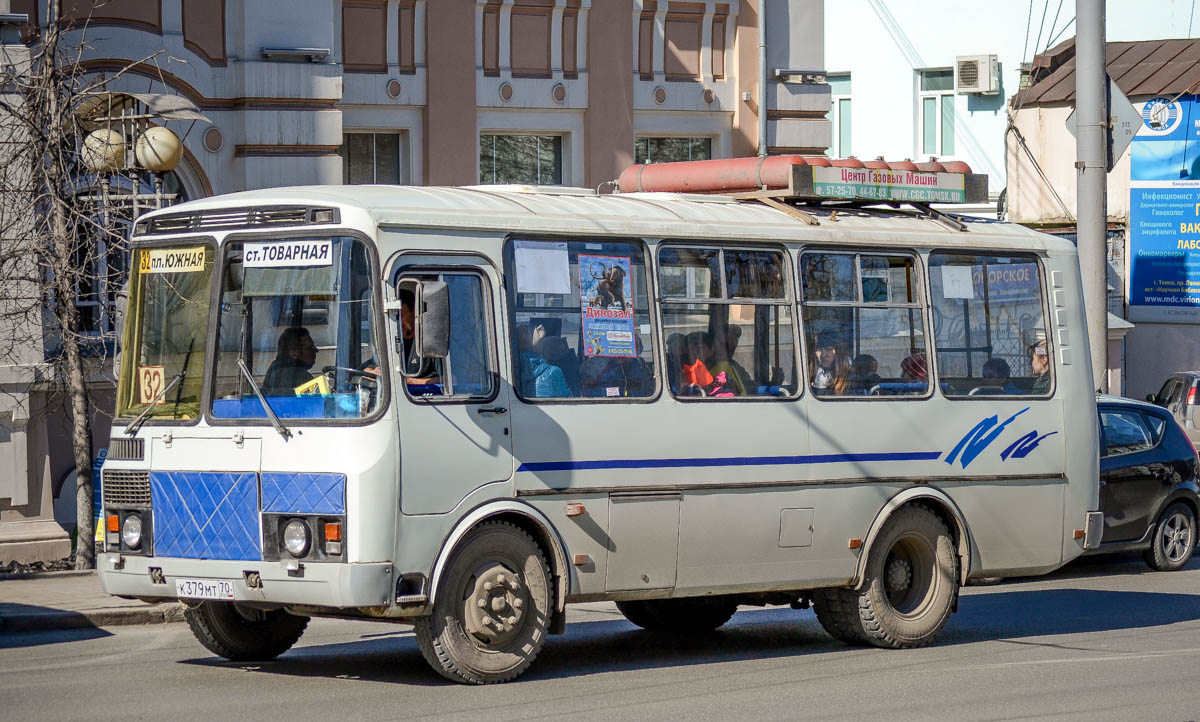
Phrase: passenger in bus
[716,355]
[419,371]
[556,351]
[1039,359]
[675,354]
[695,379]
[607,376]
[732,337]
[914,368]
[538,377]
[996,378]
[864,374]
[830,367]
[295,354]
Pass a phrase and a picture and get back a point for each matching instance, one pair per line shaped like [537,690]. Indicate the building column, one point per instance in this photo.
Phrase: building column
[608,121]
[451,138]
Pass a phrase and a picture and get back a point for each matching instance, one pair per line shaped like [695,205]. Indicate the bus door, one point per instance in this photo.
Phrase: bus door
[453,411]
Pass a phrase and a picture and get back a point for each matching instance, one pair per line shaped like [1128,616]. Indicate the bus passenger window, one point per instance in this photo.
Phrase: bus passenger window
[581,320]
[863,325]
[728,323]
[991,334]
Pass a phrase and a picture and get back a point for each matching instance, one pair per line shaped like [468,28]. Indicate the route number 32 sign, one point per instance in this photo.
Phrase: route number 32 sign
[150,383]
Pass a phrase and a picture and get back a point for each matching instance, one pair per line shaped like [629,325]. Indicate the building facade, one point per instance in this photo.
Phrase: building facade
[433,92]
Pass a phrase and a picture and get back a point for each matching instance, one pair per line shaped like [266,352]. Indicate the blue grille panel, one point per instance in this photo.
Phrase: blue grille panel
[204,515]
[304,493]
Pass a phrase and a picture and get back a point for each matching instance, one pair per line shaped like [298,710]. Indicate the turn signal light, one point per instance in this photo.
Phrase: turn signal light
[333,531]
[114,524]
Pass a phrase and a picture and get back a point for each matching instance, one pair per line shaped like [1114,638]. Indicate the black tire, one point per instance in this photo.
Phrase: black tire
[909,589]
[837,611]
[465,641]
[243,634]
[1173,540]
[911,583]
[687,614]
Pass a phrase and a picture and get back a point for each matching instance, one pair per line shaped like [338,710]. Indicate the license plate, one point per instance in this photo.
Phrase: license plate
[204,588]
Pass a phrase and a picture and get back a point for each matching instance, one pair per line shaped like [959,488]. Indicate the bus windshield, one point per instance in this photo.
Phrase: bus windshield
[165,332]
[297,313]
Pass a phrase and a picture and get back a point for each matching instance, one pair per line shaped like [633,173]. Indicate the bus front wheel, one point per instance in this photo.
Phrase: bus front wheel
[244,634]
[492,608]
[909,589]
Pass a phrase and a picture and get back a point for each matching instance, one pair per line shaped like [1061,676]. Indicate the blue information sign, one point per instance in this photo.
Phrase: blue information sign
[1164,212]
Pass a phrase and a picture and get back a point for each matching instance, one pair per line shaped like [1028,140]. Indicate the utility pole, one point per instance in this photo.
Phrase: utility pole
[1091,164]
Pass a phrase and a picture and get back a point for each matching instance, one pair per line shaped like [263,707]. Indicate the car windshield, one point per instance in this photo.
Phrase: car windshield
[298,313]
[166,322]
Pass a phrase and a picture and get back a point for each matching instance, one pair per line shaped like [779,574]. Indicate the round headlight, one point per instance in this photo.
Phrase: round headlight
[131,531]
[296,538]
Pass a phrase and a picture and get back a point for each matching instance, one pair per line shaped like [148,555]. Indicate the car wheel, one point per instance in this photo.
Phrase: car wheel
[1174,539]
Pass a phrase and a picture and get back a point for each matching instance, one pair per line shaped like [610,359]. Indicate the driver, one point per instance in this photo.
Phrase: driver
[295,355]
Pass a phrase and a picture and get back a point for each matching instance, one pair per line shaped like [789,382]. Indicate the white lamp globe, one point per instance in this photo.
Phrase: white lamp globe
[158,149]
[103,150]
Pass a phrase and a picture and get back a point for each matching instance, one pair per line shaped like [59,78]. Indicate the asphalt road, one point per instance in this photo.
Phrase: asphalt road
[1102,639]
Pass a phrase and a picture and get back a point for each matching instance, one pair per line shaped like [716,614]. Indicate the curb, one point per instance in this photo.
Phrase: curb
[61,619]
[66,573]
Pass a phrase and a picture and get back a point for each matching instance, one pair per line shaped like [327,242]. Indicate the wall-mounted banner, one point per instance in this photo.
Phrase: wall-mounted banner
[171,260]
[606,298]
[281,254]
[1164,213]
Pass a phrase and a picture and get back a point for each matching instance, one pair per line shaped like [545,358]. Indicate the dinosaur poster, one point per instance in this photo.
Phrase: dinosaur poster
[606,298]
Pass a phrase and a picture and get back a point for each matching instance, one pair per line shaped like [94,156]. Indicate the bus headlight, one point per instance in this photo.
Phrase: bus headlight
[296,538]
[131,531]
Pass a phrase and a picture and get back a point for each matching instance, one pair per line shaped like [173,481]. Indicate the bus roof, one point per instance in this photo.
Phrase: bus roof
[554,210]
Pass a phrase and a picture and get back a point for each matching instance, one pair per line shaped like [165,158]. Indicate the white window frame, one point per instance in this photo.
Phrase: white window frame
[940,96]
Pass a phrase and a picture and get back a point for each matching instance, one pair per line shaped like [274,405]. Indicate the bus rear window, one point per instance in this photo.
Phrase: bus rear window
[991,333]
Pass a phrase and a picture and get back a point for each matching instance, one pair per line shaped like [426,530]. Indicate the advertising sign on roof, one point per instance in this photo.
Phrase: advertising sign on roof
[1164,212]
[883,184]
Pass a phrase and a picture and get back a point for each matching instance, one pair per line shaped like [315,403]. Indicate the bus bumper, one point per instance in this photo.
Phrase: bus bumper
[320,585]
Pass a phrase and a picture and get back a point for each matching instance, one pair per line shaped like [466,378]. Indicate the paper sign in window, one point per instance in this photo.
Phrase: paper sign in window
[956,282]
[288,254]
[151,380]
[171,260]
[542,268]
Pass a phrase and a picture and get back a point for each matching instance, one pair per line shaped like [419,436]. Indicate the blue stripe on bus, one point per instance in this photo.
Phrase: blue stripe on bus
[725,461]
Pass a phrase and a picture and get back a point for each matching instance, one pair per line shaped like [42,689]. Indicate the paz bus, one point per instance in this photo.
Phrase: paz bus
[464,408]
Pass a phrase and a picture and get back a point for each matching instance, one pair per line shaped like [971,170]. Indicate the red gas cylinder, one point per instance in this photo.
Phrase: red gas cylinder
[957,166]
[877,164]
[931,166]
[903,165]
[817,160]
[846,163]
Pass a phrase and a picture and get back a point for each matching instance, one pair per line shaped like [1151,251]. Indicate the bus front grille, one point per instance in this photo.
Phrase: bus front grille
[125,488]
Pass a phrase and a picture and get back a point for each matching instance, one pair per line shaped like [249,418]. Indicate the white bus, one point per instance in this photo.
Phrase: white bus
[679,403]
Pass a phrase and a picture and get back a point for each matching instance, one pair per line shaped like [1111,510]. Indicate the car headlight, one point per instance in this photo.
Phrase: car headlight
[131,531]
[296,538]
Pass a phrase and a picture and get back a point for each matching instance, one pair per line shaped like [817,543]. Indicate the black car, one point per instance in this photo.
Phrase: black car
[1148,483]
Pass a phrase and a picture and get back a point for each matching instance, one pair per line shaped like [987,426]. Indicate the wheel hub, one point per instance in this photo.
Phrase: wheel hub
[899,574]
[494,606]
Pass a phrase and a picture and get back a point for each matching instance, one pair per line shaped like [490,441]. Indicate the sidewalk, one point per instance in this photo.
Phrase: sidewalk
[69,600]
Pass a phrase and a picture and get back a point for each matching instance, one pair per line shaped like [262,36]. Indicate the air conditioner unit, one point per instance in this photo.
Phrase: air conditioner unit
[977,74]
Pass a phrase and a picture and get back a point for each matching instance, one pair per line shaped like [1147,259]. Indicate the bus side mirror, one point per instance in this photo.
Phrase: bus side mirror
[433,323]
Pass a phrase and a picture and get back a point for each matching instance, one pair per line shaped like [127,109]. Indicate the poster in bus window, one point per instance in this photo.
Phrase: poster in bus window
[606,298]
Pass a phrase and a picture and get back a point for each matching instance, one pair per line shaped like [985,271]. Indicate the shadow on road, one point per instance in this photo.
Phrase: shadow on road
[22,625]
[600,646]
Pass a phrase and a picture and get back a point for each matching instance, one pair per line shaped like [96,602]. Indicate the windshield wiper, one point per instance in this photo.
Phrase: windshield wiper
[136,424]
[284,431]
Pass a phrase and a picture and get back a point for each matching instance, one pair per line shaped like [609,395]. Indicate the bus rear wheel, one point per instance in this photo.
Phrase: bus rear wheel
[689,614]
[492,608]
[911,582]
[244,634]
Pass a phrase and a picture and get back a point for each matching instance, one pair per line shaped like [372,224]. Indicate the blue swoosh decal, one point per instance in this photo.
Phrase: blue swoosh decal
[725,461]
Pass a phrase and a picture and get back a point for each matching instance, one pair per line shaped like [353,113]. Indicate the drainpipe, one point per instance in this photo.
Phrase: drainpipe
[762,78]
